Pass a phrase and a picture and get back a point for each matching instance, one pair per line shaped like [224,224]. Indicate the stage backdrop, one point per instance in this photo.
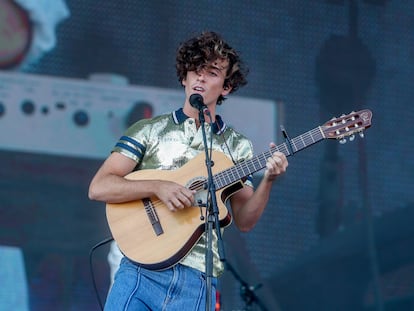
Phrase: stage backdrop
[337,227]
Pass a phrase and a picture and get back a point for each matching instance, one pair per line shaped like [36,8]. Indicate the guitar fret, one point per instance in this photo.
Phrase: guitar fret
[294,145]
[218,181]
[254,165]
[313,140]
[303,141]
[299,144]
[243,167]
[285,149]
[234,174]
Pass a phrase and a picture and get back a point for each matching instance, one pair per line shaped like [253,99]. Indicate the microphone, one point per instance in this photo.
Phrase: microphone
[196,101]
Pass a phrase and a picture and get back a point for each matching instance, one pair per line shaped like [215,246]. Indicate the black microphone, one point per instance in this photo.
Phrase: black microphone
[196,100]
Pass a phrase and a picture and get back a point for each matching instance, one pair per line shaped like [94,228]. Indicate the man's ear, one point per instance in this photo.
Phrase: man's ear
[226,90]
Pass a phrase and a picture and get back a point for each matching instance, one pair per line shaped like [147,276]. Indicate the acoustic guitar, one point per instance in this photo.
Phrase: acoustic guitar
[152,236]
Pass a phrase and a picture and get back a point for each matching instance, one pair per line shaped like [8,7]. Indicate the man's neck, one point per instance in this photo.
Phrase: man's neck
[193,113]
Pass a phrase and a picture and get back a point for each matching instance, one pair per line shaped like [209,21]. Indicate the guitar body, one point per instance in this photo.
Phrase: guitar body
[138,239]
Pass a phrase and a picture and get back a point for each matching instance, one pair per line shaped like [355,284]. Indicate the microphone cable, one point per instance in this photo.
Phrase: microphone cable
[103,242]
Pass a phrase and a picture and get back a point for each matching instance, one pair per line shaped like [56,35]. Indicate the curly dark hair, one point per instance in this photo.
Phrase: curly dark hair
[199,51]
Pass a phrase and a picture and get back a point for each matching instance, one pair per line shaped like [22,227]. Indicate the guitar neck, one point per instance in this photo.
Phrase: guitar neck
[258,162]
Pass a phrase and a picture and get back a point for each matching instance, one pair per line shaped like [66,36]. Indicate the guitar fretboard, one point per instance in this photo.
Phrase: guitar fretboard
[258,162]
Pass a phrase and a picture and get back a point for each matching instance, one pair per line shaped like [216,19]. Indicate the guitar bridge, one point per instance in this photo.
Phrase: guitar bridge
[153,217]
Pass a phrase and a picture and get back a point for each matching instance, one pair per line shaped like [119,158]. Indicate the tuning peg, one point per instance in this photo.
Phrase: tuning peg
[342,141]
[352,137]
[361,134]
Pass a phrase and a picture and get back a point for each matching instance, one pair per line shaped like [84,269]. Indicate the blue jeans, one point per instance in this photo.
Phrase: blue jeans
[178,288]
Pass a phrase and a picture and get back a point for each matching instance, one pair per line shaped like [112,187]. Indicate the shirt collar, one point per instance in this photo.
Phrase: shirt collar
[218,127]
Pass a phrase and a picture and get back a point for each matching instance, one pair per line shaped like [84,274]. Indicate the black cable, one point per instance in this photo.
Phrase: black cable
[103,242]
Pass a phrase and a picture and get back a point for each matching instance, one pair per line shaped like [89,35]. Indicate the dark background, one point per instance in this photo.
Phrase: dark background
[337,234]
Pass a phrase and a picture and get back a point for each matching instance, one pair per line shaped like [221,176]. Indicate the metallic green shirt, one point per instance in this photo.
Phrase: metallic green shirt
[169,141]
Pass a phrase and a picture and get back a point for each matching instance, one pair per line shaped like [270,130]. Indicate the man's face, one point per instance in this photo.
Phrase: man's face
[208,82]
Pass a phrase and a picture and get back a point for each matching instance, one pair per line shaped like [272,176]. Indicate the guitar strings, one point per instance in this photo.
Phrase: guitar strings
[252,165]
[259,162]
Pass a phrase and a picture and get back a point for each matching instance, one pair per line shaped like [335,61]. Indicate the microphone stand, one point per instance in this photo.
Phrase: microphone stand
[247,291]
[212,221]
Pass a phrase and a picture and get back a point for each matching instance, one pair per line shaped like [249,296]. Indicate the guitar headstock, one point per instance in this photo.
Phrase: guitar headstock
[347,125]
